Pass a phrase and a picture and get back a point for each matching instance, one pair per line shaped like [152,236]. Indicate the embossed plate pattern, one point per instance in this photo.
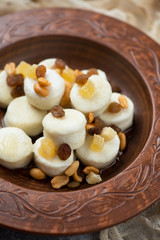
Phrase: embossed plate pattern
[122,196]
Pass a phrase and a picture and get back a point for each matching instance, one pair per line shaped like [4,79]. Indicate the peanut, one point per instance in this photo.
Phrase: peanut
[37,173]
[59,181]
[42,91]
[90,117]
[10,68]
[43,82]
[93,178]
[122,138]
[76,177]
[89,169]
[72,168]
[123,101]
[65,101]
[73,184]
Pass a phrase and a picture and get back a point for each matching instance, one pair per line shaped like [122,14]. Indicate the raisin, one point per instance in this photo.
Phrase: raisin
[17,91]
[115,88]
[57,111]
[92,71]
[41,71]
[95,130]
[64,151]
[117,129]
[114,107]
[59,63]
[15,80]
[81,79]
[99,123]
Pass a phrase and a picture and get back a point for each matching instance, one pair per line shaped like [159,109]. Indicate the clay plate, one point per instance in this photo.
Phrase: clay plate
[131,59]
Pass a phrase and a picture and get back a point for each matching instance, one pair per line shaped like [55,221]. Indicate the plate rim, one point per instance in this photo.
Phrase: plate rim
[105,197]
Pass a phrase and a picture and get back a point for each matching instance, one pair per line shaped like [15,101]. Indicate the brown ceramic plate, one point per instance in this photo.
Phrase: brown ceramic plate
[132,60]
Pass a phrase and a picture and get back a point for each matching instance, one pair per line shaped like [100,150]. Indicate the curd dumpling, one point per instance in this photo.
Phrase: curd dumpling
[55,91]
[16,149]
[123,116]
[51,165]
[98,151]
[23,115]
[5,90]
[93,96]
[68,129]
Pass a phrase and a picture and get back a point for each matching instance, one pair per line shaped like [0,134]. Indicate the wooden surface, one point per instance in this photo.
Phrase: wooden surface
[130,59]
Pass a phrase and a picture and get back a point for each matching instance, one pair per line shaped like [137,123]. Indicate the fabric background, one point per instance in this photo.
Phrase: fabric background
[145,15]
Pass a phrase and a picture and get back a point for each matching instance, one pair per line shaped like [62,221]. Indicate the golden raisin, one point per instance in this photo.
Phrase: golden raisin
[92,71]
[114,107]
[87,90]
[47,149]
[41,71]
[15,80]
[81,79]
[97,143]
[17,91]
[64,151]
[57,111]
[59,63]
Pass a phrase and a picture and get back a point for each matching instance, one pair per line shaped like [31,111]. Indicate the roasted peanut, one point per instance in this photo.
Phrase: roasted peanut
[43,82]
[90,117]
[65,101]
[122,138]
[76,177]
[73,184]
[42,91]
[37,173]
[89,169]
[10,68]
[59,181]
[93,178]
[123,101]
[72,168]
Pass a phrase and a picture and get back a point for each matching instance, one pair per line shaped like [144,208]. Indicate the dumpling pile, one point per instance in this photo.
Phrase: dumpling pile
[76,113]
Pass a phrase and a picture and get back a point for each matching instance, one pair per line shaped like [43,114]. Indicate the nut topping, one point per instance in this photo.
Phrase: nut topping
[89,169]
[59,181]
[10,68]
[73,184]
[93,178]
[122,138]
[123,101]
[90,117]
[64,151]
[72,168]
[57,111]
[41,71]
[43,82]
[76,177]
[40,90]
[37,173]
